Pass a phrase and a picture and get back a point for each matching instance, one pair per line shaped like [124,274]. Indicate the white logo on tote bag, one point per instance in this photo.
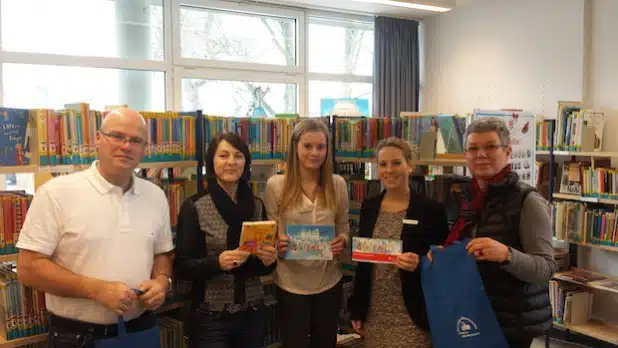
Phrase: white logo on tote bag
[467,328]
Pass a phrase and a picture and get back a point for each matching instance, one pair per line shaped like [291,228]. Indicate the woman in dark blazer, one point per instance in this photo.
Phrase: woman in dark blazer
[387,305]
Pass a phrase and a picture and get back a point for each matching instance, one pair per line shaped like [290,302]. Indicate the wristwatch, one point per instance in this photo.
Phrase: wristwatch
[169,280]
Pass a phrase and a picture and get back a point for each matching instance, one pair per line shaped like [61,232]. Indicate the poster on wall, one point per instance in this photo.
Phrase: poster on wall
[522,126]
[344,107]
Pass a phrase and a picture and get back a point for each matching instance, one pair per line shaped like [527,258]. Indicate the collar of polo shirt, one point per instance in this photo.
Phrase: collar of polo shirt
[104,186]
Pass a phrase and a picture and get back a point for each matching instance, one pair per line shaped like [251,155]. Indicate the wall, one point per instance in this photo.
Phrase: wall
[601,92]
[602,73]
[504,54]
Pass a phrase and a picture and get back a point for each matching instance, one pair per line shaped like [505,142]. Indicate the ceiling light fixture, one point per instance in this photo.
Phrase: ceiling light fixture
[407,5]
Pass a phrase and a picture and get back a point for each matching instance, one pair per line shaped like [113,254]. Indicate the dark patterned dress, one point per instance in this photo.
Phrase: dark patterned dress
[388,323]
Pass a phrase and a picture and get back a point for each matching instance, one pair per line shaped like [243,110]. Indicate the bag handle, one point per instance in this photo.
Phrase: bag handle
[122,329]
[435,250]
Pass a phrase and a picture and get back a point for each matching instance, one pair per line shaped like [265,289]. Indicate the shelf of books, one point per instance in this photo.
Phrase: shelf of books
[48,142]
[20,342]
[572,294]
[430,135]
[596,154]
[584,211]
[447,162]
[588,279]
[585,199]
[170,307]
[8,257]
[594,328]
[70,168]
[594,227]
[45,139]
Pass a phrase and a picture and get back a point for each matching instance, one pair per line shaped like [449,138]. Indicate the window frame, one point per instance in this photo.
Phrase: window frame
[262,9]
[251,76]
[327,77]
[364,21]
[175,68]
[165,65]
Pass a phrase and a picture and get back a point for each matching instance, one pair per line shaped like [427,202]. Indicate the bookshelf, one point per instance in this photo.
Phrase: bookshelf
[585,199]
[18,169]
[595,284]
[177,147]
[595,154]
[610,249]
[266,162]
[168,307]
[447,162]
[68,168]
[19,342]
[8,258]
[594,328]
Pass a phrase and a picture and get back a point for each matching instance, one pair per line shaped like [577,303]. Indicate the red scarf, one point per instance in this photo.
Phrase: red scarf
[478,200]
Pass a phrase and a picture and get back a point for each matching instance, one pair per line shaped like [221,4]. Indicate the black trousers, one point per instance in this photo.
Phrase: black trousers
[309,321]
[209,329]
[69,333]
[520,343]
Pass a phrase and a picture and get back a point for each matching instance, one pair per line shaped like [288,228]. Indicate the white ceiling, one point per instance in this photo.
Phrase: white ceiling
[368,8]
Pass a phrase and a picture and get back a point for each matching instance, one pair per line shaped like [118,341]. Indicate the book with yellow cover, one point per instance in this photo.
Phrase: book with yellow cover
[257,233]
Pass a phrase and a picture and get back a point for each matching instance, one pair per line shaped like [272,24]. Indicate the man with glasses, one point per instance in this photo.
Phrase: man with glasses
[98,242]
[511,234]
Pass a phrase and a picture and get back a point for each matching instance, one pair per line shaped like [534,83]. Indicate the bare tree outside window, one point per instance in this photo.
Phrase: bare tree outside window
[217,35]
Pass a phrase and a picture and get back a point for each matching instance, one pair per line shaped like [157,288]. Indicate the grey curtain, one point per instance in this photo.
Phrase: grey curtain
[396,67]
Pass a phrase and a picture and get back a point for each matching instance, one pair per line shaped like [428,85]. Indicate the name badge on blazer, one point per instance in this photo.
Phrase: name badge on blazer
[410,222]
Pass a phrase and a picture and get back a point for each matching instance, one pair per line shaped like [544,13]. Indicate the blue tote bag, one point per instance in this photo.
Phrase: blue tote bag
[150,338]
[459,311]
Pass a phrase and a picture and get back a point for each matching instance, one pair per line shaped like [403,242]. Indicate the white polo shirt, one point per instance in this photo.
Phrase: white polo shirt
[89,226]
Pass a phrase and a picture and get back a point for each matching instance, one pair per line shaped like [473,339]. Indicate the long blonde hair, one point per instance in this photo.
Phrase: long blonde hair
[292,187]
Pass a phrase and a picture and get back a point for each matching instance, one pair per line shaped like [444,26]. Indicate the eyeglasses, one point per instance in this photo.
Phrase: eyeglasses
[474,150]
[120,139]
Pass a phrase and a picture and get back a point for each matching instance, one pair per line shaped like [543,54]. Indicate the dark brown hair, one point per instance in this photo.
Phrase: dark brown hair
[239,144]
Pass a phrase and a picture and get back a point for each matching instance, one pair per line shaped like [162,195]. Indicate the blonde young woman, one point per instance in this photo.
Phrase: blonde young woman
[309,292]
[387,305]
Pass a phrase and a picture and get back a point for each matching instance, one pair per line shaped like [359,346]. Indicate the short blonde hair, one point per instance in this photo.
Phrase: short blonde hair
[397,143]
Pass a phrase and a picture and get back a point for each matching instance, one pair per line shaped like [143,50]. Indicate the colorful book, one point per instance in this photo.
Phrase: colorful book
[257,233]
[375,250]
[310,242]
[14,137]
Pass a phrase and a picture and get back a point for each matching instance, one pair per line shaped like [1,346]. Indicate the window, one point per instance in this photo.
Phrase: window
[225,57]
[97,28]
[340,47]
[211,34]
[238,98]
[11,181]
[340,64]
[50,86]
[319,90]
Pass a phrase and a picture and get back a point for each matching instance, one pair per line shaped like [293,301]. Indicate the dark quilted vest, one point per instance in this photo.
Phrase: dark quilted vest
[523,309]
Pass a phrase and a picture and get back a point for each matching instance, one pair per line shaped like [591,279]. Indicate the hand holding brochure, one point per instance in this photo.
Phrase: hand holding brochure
[310,242]
[257,233]
[375,250]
